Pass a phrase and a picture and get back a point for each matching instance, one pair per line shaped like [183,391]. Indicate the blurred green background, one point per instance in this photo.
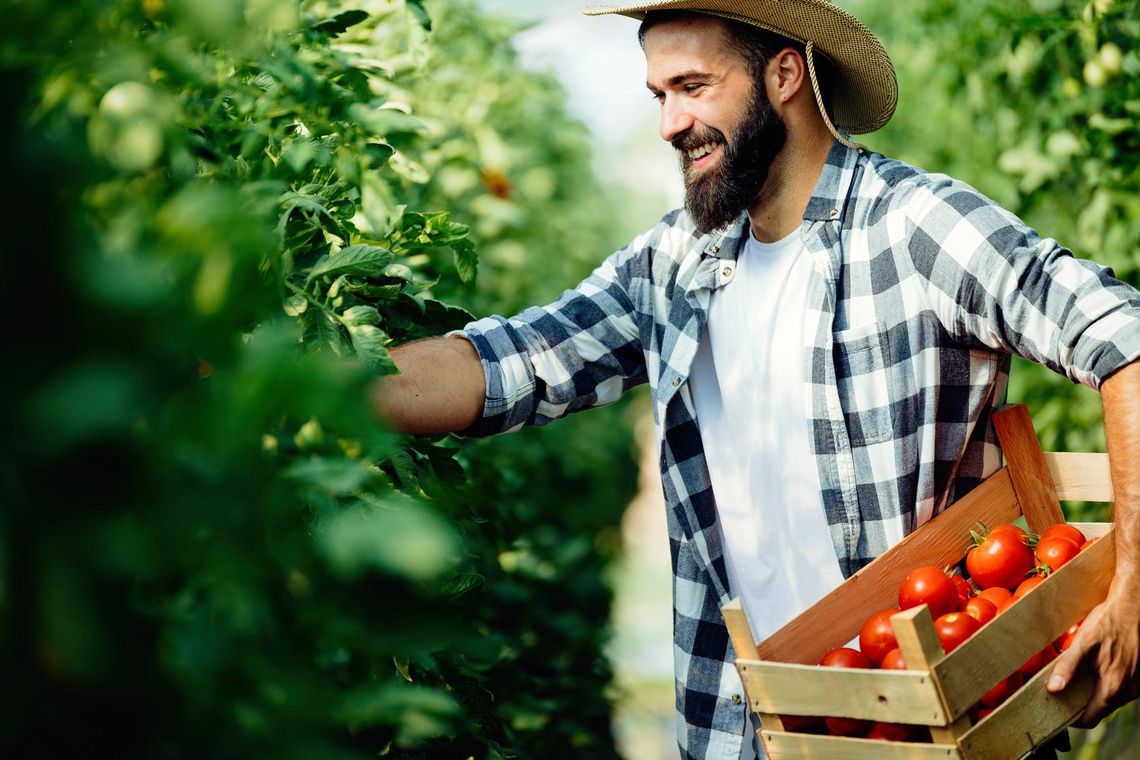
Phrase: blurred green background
[220,214]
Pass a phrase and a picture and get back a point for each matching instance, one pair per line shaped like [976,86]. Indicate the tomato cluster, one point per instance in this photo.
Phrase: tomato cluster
[1003,565]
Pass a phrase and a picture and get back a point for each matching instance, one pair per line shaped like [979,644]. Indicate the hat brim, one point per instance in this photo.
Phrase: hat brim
[865,90]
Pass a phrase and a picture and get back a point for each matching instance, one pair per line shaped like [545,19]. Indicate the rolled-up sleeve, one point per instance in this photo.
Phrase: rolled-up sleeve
[993,279]
[581,351]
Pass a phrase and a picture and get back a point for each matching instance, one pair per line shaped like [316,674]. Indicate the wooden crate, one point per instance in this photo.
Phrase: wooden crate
[938,690]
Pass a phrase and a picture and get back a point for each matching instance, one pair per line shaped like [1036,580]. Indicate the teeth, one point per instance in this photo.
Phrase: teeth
[703,150]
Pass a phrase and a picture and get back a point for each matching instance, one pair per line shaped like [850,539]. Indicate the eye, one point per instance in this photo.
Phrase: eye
[694,86]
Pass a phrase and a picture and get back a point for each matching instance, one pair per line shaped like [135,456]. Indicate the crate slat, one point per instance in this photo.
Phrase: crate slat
[1036,713]
[808,637]
[895,696]
[1080,476]
[788,746]
[1032,481]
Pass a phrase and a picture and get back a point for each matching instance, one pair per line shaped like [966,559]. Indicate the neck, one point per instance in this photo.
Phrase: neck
[779,206]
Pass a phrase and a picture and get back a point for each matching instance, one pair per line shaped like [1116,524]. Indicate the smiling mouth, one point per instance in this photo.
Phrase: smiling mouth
[702,155]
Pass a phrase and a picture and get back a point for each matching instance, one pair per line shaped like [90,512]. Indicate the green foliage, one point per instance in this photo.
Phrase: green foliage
[225,213]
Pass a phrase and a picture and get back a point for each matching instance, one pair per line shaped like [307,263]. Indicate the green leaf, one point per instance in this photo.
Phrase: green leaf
[356,259]
[466,260]
[360,315]
[369,343]
[421,712]
[400,536]
[336,476]
[340,23]
[296,305]
[417,9]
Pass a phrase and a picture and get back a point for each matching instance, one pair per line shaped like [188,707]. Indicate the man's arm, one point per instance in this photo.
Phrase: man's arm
[440,388]
[1110,635]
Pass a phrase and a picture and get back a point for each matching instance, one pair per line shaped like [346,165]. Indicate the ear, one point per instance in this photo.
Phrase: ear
[787,75]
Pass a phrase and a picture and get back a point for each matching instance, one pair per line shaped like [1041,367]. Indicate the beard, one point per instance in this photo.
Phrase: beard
[717,196]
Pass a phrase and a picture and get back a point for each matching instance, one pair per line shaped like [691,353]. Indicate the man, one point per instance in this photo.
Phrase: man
[826,333]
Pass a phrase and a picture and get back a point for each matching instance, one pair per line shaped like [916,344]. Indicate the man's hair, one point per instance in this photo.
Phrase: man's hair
[755,46]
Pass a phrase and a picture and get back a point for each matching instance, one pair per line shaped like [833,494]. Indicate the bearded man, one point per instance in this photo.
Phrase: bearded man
[825,331]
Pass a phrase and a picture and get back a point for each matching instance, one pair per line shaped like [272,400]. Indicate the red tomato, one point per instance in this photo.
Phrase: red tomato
[930,586]
[997,595]
[1003,690]
[1072,629]
[965,590]
[893,660]
[1038,661]
[1065,531]
[980,609]
[1056,551]
[803,724]
[892,732]
[1090,542]
[877,637]
[983,713]
[1027,585]
[1069,636]
[845,657]
[1000,559]
[953,628]
[1008,528]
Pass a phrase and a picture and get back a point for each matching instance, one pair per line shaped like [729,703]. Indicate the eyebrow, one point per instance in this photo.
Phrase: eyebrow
[677,79]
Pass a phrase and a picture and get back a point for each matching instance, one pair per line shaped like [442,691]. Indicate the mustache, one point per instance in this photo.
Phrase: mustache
[690,140]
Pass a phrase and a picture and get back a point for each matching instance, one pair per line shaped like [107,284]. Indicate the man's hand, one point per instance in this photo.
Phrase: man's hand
[1109,639]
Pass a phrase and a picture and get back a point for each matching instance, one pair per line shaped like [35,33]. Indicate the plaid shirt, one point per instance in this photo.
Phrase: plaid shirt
[922,289]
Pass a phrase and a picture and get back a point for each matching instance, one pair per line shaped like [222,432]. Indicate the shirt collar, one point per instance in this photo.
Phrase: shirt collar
[827,202]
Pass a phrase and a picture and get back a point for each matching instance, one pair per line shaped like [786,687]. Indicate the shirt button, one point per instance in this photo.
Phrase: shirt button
[676,381]
[834,213]
[736,699]
[714,249]
[727,271]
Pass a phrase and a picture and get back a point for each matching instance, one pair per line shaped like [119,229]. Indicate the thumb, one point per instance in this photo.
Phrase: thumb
[1065,666]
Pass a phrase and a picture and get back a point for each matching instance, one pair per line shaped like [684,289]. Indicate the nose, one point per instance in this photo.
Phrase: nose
[675,118]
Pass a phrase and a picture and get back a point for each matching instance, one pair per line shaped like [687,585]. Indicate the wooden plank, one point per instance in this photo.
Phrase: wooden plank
[1032,481]
[922,651]
[741,634]
[837,618]
[738,629]
[1028,718]
[893,696]
[1024,629]
[786,746]
[1080,477]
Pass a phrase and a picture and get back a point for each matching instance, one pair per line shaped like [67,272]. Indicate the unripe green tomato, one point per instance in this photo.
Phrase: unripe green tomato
[1095,75]
[1111,58]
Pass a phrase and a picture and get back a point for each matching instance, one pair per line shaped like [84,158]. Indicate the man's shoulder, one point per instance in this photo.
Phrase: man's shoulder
[904,185]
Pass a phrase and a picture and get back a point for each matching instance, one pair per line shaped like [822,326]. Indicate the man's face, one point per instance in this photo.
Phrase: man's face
[724,127]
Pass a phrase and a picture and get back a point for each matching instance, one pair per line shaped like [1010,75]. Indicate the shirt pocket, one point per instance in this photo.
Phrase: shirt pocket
[875,381]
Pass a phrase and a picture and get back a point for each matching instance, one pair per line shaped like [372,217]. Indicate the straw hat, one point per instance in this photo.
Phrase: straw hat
[865,90]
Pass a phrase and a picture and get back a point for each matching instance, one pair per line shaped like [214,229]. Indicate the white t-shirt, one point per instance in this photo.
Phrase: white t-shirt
[751,401]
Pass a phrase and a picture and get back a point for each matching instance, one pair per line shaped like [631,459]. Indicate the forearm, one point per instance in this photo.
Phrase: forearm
[440,387]
[1120,395]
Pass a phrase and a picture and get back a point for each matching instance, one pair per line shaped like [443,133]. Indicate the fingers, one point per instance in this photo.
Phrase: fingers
[1065,666]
